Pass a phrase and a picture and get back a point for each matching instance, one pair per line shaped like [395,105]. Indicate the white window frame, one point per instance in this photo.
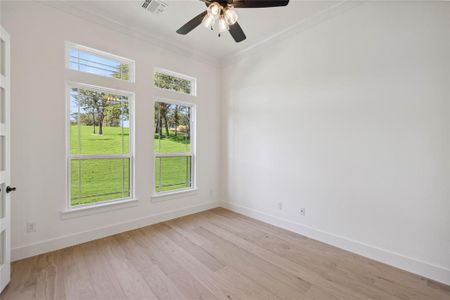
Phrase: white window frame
[131,63]
[131,153]
[193,80]
[192,153]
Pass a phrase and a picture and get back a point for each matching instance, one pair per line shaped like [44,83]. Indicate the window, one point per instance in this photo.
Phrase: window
[172,81]
[100,150]
[174,145]
[84,59]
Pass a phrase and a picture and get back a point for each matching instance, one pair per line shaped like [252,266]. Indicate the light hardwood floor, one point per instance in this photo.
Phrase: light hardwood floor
[209,255]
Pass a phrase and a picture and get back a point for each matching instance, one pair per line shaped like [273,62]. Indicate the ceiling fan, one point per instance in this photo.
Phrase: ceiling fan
[221,14]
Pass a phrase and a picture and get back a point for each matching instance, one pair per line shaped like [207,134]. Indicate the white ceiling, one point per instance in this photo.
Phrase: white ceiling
[259,24]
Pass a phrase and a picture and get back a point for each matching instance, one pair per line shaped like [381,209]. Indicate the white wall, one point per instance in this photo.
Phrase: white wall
[349,119]
[38,33]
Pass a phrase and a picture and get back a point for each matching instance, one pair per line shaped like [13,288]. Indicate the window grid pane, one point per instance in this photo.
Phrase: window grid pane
[172,128]
[169,81]
[99,123]
[2,105]
[172,147]
[2,200]
[89,61]
[2,247]
[95,180]
[2,57]
[173,173]
[99,146]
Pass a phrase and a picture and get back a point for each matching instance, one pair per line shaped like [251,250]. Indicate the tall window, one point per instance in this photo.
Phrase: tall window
[174,145]
[101,145]
[89,60]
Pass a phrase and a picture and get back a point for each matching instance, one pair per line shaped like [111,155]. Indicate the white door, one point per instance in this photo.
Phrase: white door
[5,193]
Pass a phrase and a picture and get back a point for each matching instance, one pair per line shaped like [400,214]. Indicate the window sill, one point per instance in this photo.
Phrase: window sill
[158,197]
[87,210]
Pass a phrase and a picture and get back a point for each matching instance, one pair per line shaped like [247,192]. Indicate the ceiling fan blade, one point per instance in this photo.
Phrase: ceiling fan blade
[237,33]
[259,3]
[189,26]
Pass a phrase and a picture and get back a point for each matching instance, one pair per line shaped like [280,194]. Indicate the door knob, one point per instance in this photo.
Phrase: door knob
[10,189]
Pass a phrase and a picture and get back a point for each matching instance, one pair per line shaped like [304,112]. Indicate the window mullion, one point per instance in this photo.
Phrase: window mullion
[159,129]
[79,147]
[123,147]
[99,156]
[160,174]
[187,171]
[180,154]
[78,60]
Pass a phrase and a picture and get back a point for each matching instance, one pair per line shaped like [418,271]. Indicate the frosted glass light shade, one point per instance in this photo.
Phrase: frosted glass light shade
[209,21]
[230,16]
[214,9]
[222,25]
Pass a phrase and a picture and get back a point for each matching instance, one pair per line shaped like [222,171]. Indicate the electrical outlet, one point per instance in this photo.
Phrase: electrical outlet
[303,211]
[280,205]
[31,227]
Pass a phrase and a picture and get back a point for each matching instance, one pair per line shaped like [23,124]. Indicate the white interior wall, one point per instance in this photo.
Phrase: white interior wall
[349,119]
[38,33]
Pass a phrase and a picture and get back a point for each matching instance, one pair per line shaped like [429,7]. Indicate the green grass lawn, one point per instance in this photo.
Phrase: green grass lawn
[108,143]
[172,172]
[108,179]
[173,144]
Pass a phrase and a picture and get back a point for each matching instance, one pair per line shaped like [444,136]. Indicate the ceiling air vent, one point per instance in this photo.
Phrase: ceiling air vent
[154,6]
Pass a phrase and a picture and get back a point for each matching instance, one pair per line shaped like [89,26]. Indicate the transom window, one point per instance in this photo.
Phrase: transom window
[100,156]
[174,145]
[176,82]
[84,59]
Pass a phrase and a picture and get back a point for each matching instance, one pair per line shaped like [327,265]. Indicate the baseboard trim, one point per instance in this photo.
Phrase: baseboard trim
[97,233]
[397,260]
[409,264]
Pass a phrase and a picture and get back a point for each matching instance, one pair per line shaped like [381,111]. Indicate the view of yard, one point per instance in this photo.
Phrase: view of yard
[101,166]
[175,171]
[99,179]
[105,179]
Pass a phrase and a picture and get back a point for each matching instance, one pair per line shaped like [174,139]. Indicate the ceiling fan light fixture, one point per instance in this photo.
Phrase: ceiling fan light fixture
[230,16]
[222,25]
[221,17]
[209,21]
[214,9]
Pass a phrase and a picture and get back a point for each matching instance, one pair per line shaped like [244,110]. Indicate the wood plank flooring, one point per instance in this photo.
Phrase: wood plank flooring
[215,254]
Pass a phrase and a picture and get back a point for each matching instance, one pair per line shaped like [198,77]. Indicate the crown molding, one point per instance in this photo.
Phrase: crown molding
[201,56]
[154,40]
[291,31]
